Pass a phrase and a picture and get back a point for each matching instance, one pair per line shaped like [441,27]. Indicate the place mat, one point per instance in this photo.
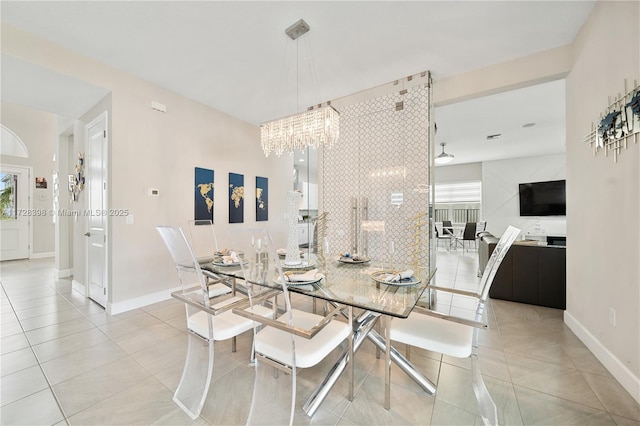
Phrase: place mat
[382,277]
[230,255]
[350,259]
[316,277]
[305,264]
[220,263]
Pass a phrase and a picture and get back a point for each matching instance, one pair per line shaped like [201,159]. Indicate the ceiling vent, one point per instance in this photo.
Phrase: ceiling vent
[492,137]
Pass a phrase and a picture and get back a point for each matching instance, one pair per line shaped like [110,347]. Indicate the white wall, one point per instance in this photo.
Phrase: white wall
[603,269]
[458,173]
[160,150]
[38,130]
[500,199]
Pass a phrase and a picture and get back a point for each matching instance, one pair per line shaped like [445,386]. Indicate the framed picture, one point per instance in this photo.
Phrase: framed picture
[236,198]
[262,199]
[41,183]
[203,194]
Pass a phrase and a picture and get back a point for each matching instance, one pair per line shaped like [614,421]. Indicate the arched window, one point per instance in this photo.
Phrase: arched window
[12,144]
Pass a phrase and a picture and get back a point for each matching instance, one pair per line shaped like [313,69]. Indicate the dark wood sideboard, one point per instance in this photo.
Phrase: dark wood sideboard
[530,273]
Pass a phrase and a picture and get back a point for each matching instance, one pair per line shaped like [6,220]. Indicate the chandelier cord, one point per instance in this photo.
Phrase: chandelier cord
[313,72]
[297,75]
[283,87]
[316,127]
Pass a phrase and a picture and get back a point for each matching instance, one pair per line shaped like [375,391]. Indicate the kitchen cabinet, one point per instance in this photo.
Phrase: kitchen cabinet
[309,196]
[303,233]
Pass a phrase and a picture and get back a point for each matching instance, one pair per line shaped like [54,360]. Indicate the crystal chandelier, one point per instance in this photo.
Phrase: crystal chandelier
[316,127]
[308,129]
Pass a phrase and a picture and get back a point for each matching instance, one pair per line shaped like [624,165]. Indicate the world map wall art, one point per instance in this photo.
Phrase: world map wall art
[236,198]
[262,199]
[203,195]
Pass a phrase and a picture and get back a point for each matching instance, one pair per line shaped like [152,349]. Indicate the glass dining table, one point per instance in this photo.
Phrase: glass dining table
[352,284]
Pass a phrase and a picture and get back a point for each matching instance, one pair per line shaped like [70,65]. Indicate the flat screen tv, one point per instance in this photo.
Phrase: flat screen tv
[543,198]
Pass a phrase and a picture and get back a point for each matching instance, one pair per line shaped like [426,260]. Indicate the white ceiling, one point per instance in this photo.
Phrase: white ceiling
[28,84]
[464,126]
[235,57]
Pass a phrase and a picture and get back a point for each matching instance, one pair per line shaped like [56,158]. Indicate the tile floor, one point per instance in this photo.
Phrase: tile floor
[65,361]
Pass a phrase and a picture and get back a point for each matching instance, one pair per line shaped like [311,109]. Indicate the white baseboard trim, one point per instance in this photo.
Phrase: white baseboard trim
[63,273]
[617,369]
[139,302]
[42,255]
[79,287]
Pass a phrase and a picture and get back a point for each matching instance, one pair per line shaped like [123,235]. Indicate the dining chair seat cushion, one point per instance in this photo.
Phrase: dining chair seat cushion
[433,334]
[227,324]
[276,344]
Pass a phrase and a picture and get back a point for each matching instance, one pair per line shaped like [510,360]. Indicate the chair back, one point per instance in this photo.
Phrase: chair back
[447,227]
[469,232]
[505,242]
[202,238]
[273,398]
[193,282]
[179,248]
[261,266]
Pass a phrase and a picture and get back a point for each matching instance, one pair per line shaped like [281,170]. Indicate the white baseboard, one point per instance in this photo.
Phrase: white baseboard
[79,287]
[139,302]
[42,255]
[622,374]
[63,273]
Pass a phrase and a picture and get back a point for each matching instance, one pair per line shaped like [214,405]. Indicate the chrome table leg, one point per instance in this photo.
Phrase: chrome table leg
[362,326]
[403,363]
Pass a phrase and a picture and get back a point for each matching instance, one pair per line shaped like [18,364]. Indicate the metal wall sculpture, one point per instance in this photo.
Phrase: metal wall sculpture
[618,124]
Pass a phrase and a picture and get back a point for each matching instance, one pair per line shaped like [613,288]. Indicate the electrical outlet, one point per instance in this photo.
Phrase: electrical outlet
[612,317]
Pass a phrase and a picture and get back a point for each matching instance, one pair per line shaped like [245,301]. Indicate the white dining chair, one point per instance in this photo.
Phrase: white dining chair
[441,235]
[208,320]
[203,242]
[456,336]
[297,339]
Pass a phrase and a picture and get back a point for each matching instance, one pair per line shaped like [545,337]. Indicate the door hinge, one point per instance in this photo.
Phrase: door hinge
[105,133]
[105,238]
[104,291]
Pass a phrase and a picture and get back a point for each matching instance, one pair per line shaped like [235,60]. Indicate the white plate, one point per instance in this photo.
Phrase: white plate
[350,260]
[226,253]
[296,283]
[377,276]
[226,264]
[305,264]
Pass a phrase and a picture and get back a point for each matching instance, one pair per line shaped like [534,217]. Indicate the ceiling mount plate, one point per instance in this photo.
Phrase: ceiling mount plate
[297,29]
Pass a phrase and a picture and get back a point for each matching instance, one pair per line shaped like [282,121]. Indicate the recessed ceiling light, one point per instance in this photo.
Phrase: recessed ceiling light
[492,137]
[301,160]
[528,125]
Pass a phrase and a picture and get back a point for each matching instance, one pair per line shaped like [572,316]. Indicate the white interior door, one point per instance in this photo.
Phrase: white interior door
[96,187]
[15,215]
